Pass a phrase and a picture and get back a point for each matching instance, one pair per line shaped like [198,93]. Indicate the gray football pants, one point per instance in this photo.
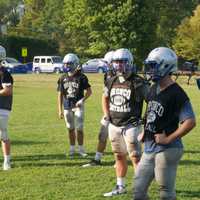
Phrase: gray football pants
[162,166]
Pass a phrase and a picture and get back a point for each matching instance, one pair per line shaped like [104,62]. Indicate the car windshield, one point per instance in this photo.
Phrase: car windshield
[57,59]
[12,60]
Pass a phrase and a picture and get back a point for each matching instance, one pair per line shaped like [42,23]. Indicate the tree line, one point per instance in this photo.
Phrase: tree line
[90,28]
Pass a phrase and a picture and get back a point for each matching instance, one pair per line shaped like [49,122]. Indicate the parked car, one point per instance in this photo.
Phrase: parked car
[14,66]
[47,64]
[96,65]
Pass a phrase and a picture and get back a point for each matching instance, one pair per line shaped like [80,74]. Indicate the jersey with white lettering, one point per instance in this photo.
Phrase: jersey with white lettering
[72,88]
[126,95]
[162,115]
[5,80]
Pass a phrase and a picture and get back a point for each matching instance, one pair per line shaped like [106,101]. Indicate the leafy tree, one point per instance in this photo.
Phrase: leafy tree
[171,13]
[187,41]
[8,12]
[75,25]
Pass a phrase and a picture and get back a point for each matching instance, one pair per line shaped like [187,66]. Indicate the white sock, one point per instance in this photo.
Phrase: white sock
[7,158]
[81,148]
[72,148]
[98,155]
[121,181]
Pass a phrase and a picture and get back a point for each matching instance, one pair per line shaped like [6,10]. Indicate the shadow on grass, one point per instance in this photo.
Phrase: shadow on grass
[189,193]
[20,142]
[191,151]
[67,163]
[51,160]
[39,157]
[190,162]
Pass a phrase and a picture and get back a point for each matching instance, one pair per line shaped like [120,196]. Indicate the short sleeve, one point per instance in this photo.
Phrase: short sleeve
[7,80]
[186,112]
[59,87]
[85,82]
[105,91]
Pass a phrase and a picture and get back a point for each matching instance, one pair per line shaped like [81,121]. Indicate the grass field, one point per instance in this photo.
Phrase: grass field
[41,170]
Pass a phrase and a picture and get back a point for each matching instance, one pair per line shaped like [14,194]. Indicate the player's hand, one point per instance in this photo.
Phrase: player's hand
[80,103]
[161,138]
[140,137]
[105,120]
[60,115]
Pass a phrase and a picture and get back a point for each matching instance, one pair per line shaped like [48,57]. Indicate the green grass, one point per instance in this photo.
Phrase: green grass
[41,171]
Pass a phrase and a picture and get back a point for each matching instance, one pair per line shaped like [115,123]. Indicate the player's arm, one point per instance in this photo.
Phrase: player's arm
[188,122]
[105,103]
[7,90]
[88,93]
[60,104]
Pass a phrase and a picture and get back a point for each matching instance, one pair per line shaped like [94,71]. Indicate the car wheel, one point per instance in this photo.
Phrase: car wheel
[100,70]
[57,71]
[37,71]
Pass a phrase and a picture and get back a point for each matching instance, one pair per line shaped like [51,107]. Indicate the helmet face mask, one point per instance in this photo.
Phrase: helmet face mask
[160,62]
[121,66]
[122,61]
[69,67]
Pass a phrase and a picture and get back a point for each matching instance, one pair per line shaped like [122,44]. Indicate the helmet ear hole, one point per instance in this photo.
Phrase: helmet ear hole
[166,66]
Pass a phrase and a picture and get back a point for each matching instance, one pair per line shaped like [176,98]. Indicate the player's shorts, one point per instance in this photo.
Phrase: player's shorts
[3,127]
[124,139]
[74,118]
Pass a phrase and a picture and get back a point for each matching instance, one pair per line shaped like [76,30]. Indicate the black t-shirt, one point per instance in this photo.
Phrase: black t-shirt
[126,99]
[163,110]
[72,88]
[5,101]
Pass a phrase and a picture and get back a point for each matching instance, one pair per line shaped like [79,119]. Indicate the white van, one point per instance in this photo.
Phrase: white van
[47,64]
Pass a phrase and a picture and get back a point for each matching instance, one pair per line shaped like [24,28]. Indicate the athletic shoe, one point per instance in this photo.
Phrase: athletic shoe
[82,154]
[71,154]
[116,191]
[92,163]
[6,166]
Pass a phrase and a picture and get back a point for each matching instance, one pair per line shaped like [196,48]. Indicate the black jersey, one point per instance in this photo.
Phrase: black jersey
[5,101]
[126,99]
[163,111]
[72,88]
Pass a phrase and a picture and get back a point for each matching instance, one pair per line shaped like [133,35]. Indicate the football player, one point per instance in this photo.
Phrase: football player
[123,101]
[103,132]
[6,91]
[169,116]
[73,90]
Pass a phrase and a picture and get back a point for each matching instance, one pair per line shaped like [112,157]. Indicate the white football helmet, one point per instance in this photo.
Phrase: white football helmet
[122,61]
[71,62]
[108,57]
[2,53]
[160,62]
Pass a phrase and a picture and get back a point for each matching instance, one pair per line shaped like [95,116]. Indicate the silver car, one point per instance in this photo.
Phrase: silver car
[97,65]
